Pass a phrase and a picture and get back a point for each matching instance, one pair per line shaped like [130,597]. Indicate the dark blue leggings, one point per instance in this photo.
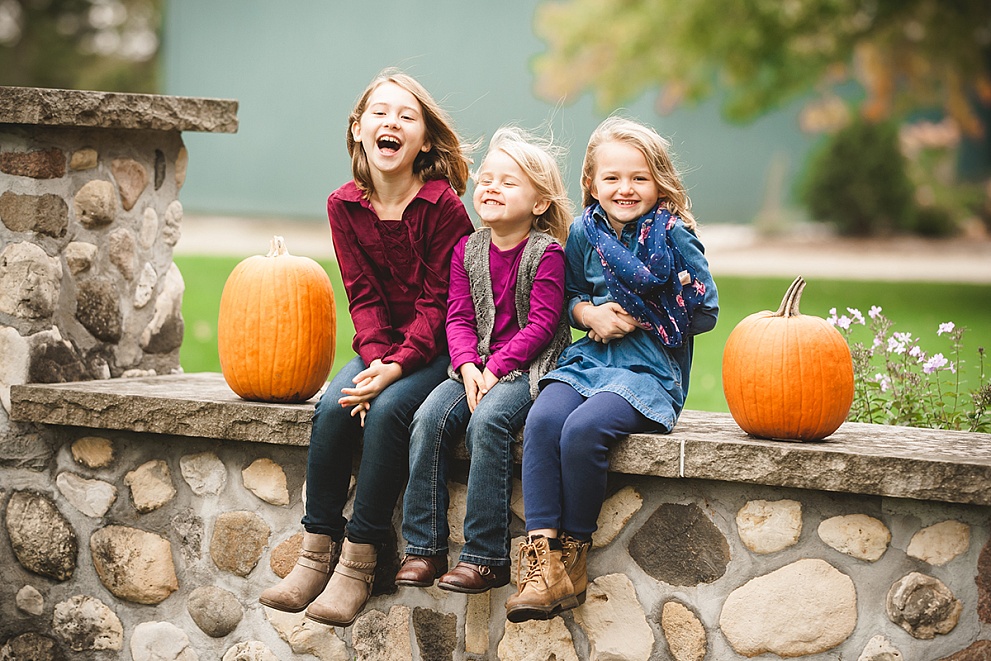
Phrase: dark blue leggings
[565,443]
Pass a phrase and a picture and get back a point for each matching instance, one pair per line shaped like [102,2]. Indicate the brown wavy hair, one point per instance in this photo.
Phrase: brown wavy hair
[447,158]
[655,150]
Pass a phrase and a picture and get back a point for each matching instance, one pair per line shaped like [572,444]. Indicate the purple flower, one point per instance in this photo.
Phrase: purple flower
[883,380]
[935,363]
[855,314]
[902,337]
[844,322]
[917,352]
[874,312]
[946,328]
[895,346]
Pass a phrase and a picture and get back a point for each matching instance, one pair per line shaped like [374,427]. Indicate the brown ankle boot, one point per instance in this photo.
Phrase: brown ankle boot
[574,556]
[348,590]
[308,577]
[544,586]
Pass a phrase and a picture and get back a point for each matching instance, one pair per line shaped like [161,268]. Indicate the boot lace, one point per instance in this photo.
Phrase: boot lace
[534,568]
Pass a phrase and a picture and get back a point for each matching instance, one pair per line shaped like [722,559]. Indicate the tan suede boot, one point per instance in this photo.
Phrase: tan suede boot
[349,588]
[574,558]
[308,577]
[544,586]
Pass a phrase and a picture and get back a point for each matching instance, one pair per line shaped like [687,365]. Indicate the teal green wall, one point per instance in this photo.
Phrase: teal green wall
[297,66]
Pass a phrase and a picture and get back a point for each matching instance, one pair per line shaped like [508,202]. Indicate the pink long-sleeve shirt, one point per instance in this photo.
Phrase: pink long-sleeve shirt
[396,272]
[512,348]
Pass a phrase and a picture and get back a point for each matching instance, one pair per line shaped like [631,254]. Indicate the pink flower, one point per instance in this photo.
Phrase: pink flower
[895,346]
[883,380]
[917,352]
[946,328]
[874,312]
[935,363]
[844,322]
[855,314]
[903,337]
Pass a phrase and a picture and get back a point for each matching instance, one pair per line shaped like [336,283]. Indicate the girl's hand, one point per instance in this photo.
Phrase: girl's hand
[608,321]
[474,384]
[370,382]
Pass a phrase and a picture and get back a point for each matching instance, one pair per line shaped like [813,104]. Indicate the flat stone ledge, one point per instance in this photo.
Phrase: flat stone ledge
[880,460]
[114,110]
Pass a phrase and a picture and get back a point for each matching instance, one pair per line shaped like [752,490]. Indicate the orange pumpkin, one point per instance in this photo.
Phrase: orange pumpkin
[277,328]
[787,375]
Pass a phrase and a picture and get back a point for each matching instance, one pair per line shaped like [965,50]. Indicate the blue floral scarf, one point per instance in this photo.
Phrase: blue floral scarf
[653,283]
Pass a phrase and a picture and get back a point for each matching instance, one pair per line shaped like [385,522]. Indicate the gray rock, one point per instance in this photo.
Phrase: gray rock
[436,633]
[31,647]
[30,601]
[679,545]
[159,168]
[44,214]
[251,650]
[164,332]
[133,564]
[204,472]
[30,281]
[983,581]
[149,228]
[613,620]
[172,229]
[91,497]
[96,204]
[43,540]
[923,606]
[27,450]
[189,528]
[214,610]
[85,623]
[146,286]
[238,541]
[161,641]
[54,360]
[380,637]
[98,309]
[79,256]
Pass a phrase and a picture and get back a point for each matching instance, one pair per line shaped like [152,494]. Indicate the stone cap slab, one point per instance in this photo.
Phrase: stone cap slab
[115,110]
[880,460]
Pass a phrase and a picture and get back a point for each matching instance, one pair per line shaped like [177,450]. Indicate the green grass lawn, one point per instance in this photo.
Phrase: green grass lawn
[913,307]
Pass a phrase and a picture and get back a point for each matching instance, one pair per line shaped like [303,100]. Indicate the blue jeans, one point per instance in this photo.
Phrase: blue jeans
[488,437]
[565,462]
[384,456]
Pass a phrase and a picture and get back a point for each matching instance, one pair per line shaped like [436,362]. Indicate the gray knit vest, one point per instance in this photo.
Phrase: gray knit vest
[480,279]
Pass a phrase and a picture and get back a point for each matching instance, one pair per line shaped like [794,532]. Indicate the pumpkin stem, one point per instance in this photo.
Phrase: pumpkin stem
[277,247]
[789,304]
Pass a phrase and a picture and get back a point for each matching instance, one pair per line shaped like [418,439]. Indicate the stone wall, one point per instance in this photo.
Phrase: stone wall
[89,215]
[130,542]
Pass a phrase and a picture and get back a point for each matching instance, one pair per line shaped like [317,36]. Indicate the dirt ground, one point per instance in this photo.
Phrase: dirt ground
[731,249]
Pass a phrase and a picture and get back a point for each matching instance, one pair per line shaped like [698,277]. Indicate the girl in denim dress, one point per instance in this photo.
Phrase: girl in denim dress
[639,284]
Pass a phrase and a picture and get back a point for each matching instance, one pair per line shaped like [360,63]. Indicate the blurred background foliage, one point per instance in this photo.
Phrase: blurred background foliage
[107,45]
[871,72]
[897,91]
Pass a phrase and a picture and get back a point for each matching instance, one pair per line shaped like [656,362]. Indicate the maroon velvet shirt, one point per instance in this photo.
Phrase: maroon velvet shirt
[396,272]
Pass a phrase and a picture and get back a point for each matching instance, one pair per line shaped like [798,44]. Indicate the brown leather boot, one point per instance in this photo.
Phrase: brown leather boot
[348,590]
[544,586]
[308,577]
[574,558]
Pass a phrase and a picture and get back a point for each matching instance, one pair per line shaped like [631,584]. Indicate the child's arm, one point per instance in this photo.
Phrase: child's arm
[705,315]
[462,327]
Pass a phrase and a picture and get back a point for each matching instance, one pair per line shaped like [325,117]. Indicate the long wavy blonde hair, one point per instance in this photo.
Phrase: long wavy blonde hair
[655,150]
[447,158]
[538,158]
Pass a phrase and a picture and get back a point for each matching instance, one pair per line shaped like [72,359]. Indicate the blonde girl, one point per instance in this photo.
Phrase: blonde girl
[394,227]
[505,330]
[639,284]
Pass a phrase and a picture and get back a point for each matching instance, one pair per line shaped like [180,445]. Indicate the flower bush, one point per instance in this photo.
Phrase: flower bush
[896,382]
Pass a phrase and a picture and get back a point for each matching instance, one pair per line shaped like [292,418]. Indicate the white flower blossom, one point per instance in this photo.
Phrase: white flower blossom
[946,328]
[935,363]
[874,312]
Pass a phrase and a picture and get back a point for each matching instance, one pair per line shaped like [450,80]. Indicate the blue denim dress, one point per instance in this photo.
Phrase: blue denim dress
[639,368]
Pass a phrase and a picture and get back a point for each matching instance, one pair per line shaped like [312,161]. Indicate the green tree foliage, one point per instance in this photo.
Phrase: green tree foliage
[763,53]
[105,45]
[859,182]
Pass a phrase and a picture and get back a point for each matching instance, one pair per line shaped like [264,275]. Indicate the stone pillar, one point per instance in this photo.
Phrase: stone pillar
[89,216]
